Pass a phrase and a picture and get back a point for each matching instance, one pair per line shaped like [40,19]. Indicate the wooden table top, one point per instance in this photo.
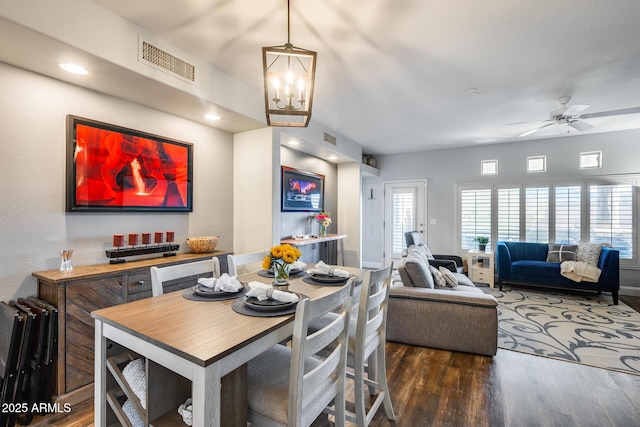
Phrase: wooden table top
[202,331]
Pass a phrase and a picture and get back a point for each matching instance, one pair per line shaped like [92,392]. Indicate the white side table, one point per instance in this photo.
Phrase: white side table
[481,267]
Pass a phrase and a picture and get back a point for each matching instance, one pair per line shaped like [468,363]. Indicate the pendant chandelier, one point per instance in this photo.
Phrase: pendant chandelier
[289,74]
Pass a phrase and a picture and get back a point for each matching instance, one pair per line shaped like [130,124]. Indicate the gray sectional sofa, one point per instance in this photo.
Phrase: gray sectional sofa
[460,318]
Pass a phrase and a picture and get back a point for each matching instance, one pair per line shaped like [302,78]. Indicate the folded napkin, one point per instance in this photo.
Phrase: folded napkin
[263,292]
[298,265]
[225,283]
[322,268]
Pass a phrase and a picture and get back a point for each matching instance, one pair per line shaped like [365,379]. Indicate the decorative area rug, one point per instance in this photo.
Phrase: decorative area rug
[576,327]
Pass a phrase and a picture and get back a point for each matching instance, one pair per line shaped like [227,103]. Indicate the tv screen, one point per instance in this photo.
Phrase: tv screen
[111,168]
[302,191]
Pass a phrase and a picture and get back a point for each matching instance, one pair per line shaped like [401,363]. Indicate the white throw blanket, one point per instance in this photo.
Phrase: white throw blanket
[580,271]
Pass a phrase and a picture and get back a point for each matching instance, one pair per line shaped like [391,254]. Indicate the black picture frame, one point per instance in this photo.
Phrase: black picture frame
[111,168]
[301,191]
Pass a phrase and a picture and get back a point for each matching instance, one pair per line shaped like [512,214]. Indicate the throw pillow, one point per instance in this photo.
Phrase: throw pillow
[589,252]
[449,277]
[438,278]
[418,271]
[561,253]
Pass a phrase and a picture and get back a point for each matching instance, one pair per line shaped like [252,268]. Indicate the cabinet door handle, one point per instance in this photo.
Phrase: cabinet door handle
[140,282]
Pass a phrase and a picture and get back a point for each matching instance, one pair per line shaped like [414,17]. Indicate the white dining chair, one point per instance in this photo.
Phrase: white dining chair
[160,275]
[367,338]
[245,263]
[289,386]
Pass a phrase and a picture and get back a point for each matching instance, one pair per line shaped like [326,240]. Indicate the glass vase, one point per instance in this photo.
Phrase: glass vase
[65,260]
[323,230]
[281,274]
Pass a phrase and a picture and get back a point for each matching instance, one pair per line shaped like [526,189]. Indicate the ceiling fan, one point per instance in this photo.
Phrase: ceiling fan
[570,115]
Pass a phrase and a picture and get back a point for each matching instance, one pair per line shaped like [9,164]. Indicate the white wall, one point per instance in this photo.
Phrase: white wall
[33,223]
[444,168]
[256,221]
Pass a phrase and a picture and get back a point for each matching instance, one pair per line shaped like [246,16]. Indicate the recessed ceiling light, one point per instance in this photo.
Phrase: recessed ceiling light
[475,91]
[294,142]
[333,157]
[75,69]
[212,117]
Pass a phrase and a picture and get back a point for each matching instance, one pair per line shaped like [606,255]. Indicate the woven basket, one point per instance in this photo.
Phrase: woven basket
[202,244]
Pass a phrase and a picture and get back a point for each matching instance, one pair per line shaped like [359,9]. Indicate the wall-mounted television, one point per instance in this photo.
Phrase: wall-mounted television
[116,169]
[302,191]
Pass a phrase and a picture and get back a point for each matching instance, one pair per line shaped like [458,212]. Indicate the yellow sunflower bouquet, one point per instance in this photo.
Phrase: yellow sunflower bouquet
[280,258]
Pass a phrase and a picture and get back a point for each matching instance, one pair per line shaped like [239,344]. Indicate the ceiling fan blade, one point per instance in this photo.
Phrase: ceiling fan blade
[579,125]
[574,110]
[633,110]
[524,123]
[536,129]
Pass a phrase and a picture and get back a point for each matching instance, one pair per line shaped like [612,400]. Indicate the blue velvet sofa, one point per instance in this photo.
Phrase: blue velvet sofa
[525,263]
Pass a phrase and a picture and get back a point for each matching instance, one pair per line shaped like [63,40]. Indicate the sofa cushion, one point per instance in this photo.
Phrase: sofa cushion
[589,252]
[417,270]
[451,280]
[438,277]
[561,253]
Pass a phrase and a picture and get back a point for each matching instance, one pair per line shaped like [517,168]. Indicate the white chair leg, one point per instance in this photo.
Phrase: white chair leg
[382,381]
[372,372]
[358,379]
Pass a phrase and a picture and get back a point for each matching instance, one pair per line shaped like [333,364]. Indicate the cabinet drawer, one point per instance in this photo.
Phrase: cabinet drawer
[480,275]
[138,282]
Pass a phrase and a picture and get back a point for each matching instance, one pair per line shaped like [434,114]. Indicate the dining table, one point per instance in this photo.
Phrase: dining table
[202,341]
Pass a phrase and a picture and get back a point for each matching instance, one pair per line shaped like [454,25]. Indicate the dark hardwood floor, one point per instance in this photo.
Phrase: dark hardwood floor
[443,388]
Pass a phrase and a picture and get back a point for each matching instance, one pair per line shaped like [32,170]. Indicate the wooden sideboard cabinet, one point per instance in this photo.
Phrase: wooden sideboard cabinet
[90,287]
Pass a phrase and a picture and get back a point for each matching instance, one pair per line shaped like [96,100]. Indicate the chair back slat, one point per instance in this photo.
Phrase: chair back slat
[161,275]
[318,341]
[310,392]
[245,263]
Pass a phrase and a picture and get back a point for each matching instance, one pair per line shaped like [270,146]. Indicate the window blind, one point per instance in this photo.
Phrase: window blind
[568,214]
[509,214]
[611,216]
[403,210]
[537,214]
[475,211]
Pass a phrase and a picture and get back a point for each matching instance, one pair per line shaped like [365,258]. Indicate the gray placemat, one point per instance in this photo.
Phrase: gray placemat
[189,294]
[239,307]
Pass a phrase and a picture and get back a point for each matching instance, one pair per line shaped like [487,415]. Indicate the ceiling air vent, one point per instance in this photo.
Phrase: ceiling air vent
[330,138]
[165,61]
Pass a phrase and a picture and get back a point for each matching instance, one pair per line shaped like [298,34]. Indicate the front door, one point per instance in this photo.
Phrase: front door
[405,207]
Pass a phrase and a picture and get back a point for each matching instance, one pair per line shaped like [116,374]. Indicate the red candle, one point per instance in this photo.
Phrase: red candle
[133,239]
[170,236]
[146,238]
[118,240]
[157,236]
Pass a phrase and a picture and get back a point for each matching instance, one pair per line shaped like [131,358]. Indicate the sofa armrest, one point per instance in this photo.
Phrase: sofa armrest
[503,261]
[446,263]
[609,264]
[449,320]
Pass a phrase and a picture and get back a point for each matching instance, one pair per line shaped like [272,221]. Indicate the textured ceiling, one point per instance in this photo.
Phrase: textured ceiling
[397,75]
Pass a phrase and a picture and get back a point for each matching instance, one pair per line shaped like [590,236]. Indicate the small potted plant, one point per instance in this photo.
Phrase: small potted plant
[482,242]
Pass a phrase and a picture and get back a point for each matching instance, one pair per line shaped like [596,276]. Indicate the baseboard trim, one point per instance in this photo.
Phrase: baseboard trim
[630,290]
